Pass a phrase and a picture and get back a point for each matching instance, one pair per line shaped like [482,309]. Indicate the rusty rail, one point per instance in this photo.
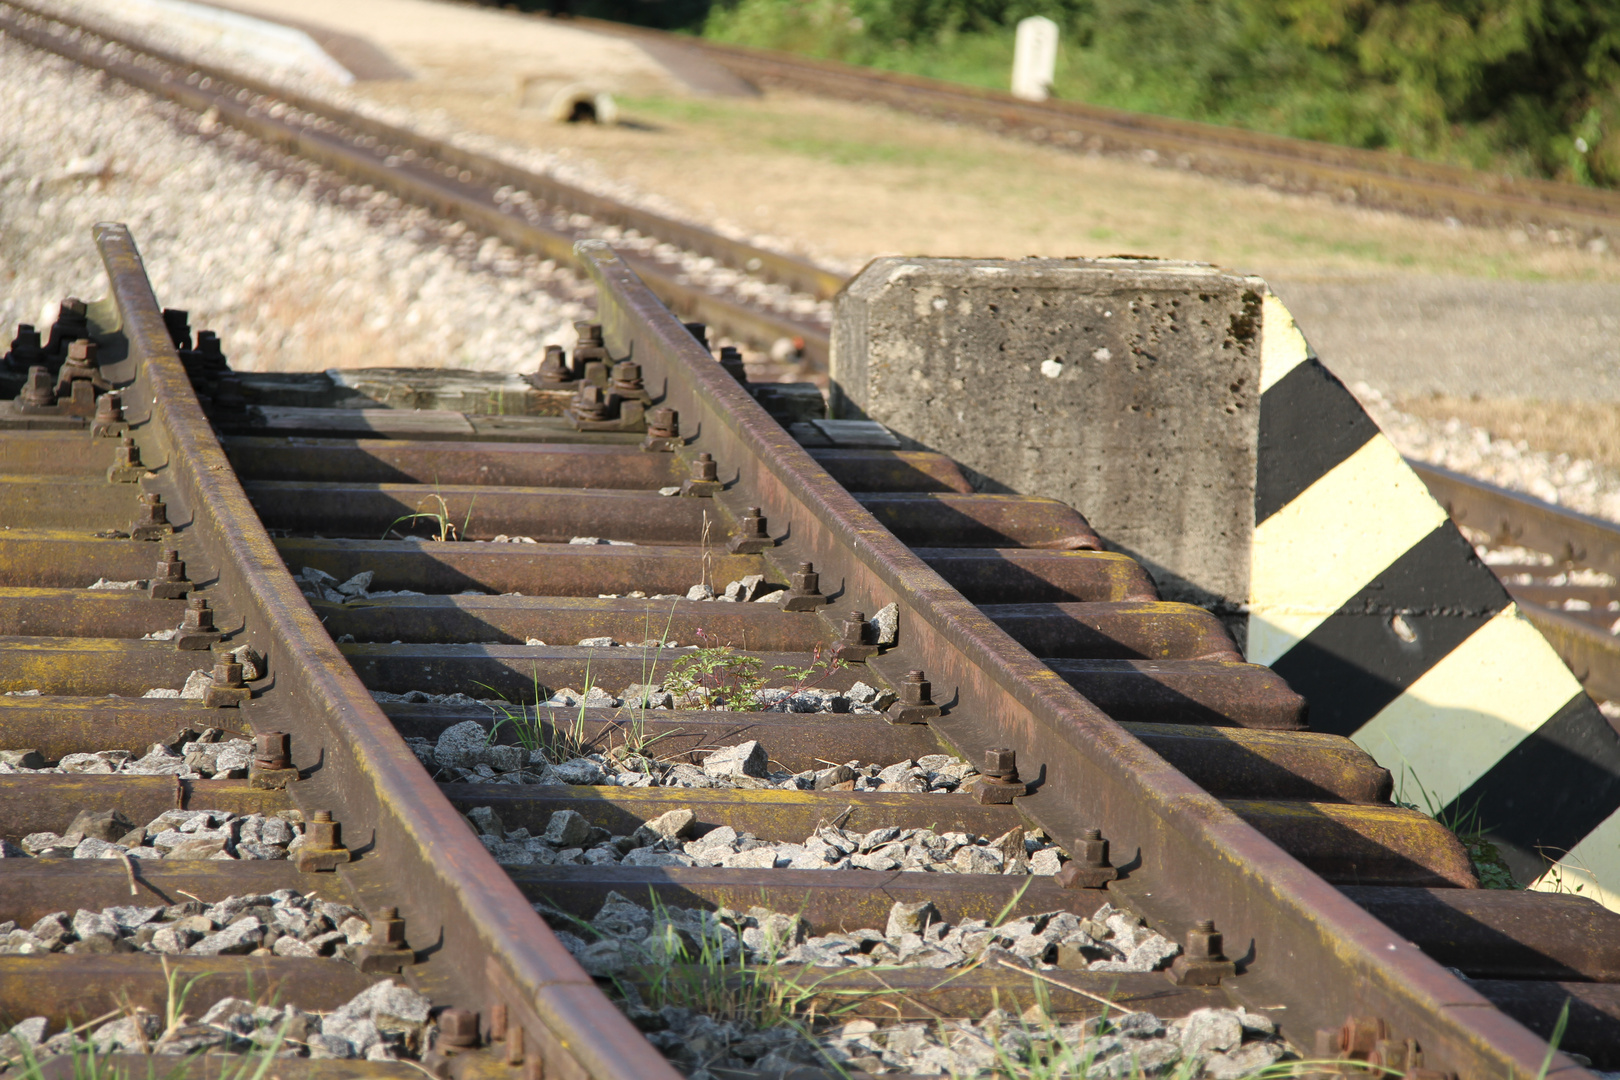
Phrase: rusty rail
[1371,177]
[1339,904]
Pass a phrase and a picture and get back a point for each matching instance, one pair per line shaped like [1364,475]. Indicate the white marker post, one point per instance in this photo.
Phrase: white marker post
[1034,58]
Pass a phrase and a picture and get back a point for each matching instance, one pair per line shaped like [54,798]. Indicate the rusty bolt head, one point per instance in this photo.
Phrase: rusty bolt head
[126,455]
[1204,942]
[627,376]
[1359,1035]
[153,510]
[199,616]
[272,749]
[109,408]
[753,522]
[589,403]
[208,343]
[72,308]
[915,689]
[81,352]
[227,673]
[1001,762]
[322,833]
[699,331]
[664,423]
[39,389]
[589,333]
[854,627]
[704,468]
[458,1027]
[806,582]
[387,928]
[1092,850]
[170,567]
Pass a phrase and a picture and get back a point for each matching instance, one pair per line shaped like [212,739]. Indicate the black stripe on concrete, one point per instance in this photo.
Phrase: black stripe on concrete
[1309,423]
[1355,662]
[1552,789]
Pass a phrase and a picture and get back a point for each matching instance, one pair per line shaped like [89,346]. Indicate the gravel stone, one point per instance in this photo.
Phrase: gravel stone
[744,759]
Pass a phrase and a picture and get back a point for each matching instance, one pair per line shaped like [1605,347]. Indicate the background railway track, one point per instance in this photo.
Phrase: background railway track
[1191,764]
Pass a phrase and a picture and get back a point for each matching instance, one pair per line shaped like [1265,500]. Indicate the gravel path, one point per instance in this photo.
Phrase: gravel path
[320,274]
[1576,483]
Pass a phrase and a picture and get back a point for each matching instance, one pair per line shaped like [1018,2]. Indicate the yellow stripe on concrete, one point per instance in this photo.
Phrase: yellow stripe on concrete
[1584,867]
[1466,713]
[1325,546]
[1282,346]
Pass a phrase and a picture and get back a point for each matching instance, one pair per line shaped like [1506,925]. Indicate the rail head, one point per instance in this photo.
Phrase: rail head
[1306,938]
[462,905]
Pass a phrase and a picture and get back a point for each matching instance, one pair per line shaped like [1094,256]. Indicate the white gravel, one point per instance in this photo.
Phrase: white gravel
[294,268]
[1575,483]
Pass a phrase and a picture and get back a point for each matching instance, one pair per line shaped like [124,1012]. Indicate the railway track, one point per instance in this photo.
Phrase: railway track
[1558,565]
[412,727]
[1368,177]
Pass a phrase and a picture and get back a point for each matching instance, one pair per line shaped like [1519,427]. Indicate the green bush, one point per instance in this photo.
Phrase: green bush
[1520,86]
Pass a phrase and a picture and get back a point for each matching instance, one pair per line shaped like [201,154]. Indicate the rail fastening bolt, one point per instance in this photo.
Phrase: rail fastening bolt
[699,331]
[38,390]
[126,455]
[664,423]
[915,689]
[704,468]
[459,1028]
[199,616]
[178,324]
[110,408]
[169,567]
[228,673]
[627,377]
[153,510]
[1001,762]
[855,627]
[272,749]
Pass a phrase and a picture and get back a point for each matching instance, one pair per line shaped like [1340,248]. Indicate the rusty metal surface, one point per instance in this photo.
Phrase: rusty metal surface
[543,569]
[1133,630]
[1363,845]
[47,559]
[368,511]
[55,725]
[444,886]
[67,503]
[1016,576]
[104,613]
[86,666]
[1242,763]
[56,454]
[512,672]
[892,470]
[1190,856]
[563,620]
[952,520]
[1186,692]
[393,461]
[1503,934]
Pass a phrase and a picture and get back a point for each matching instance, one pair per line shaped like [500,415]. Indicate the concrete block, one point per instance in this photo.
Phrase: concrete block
[1127,388]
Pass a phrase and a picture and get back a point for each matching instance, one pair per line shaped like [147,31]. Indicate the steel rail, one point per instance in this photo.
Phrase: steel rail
[1191,856]
[1572,539]
[1378,178]
[364,149]
[461,904]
